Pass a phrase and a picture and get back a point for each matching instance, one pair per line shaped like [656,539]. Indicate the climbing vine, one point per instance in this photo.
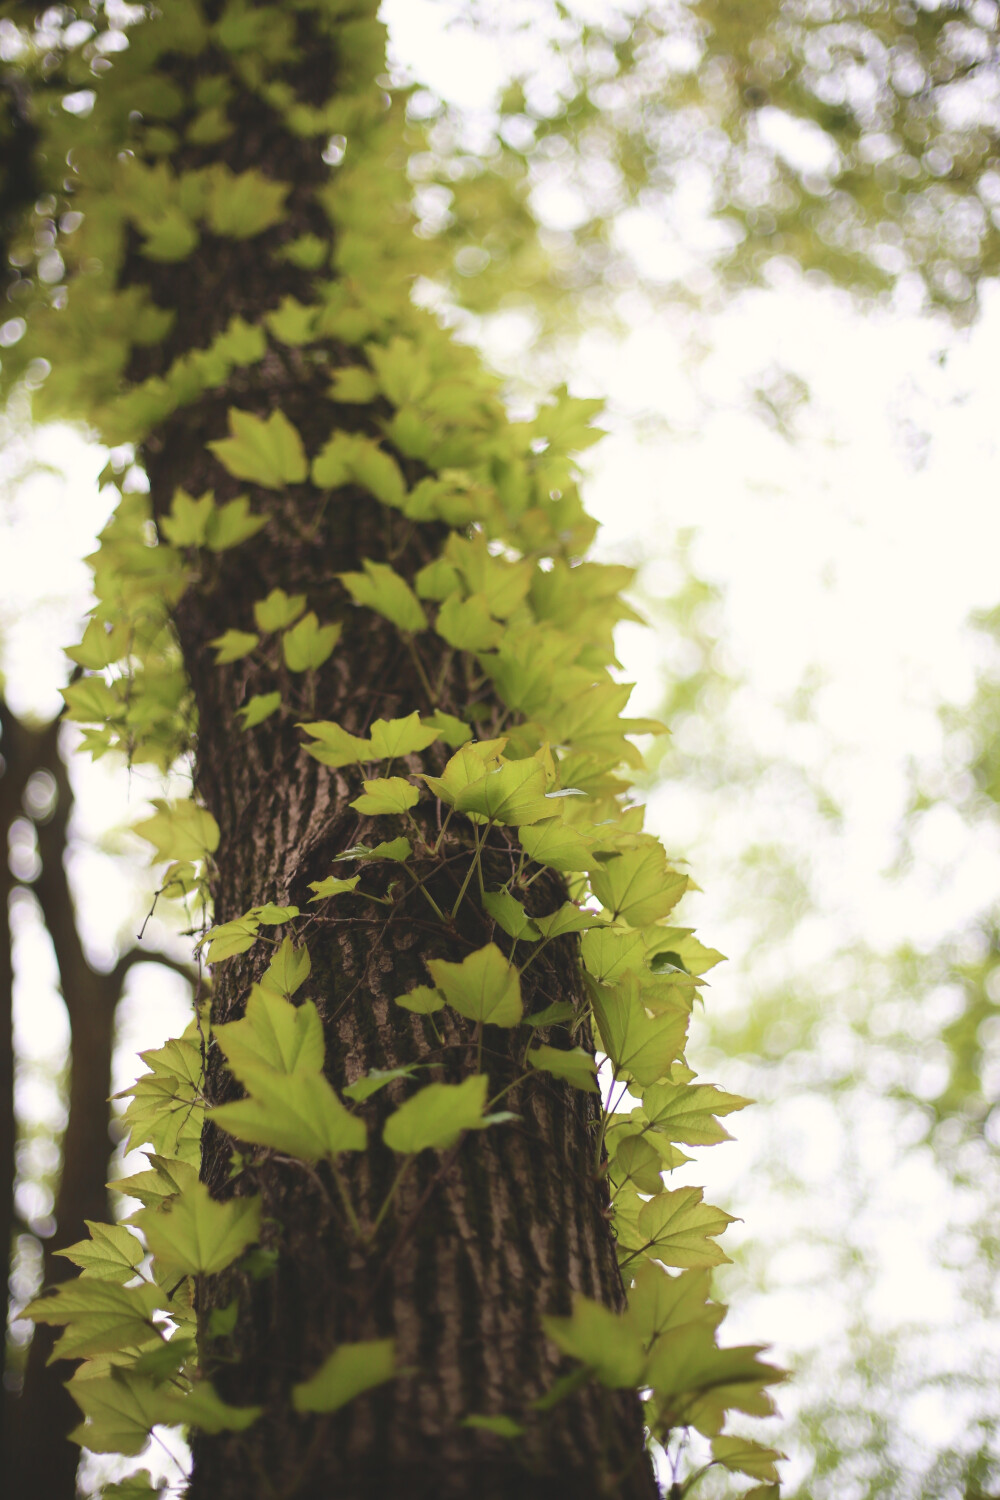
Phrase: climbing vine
[484,825]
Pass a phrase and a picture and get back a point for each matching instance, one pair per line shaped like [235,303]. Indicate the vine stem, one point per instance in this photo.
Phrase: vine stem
[419,884]
[425,681]
[345,1198]
[389,1197]
[506,1089]
[608,1111]
[468,876]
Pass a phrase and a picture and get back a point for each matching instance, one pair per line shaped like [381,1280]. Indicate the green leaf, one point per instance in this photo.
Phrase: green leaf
[502,1426]
[231,938]
[92,701]
[659,1301]
[180,830]
[350,1370]
[298,1114]
[111,1253]
[609,953]
[576,1066]
[381,589]
[467,624]
[394,737]
[308,644]
[678,1228]
[274,1034]
[278,610]
[435,1117]
[291,322]
[389,794]
[637,1160]
[233,523]
[243,204]
[514,793]
[422,1000]
[467,766]
[194,1234]
[234,645]
[556,845]
[743,1456]
[168,236]
[101,646]
[639,1044]
[569,918]
[453,731]
[119,1411]
[552,1015]
[437,580]
[121,1408]
[203,1408]
[375,1079]
[351,457]
[602,1340]
[697,1384]
[188,521]
[686,1112]
[270,915]
[165,1178]
[483,987]
[353,385]
[135,1487]
[332,886]
[99,1317]
[396,849]
[334,747]
[288,970]
[260,707]
[509,914]
[638,886]
[269,453]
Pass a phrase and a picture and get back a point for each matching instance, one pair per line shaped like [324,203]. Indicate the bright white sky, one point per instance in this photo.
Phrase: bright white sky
[857,551]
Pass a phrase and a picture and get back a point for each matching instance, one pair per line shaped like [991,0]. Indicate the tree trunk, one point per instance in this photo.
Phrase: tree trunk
[44,1460]
[39,1458]
[482,1240]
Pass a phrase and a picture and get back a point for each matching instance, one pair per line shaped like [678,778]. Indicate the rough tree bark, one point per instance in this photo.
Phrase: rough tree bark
[489,1237]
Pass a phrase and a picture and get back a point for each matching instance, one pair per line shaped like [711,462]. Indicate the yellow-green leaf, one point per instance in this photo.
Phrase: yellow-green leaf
[269,453]
[435,1117]
[509,914]
[111,1253]
[575,1065]
[296,1114]
[422,1000]
[388,794]
[382,589]
[394,737]
[180,830]
[642,1045]
[233,645]
[483,987]
[467,624]
[350,1370]
[639,885]
[194,1234]
[278,610]
[260,707]
[273,1034]
[308,644]
[332,886]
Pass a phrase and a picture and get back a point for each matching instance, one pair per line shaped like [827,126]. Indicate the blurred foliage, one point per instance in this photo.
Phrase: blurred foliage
[855,139]
[680,150]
